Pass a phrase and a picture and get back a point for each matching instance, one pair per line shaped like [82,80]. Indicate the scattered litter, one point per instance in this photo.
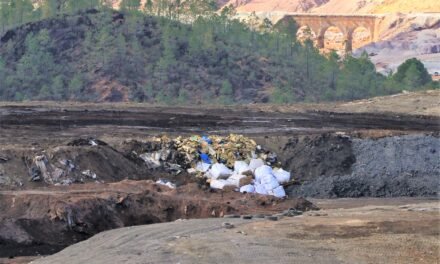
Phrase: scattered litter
[3,159]
[235,179]
[260,189]
[219,171]
[68,164]
[291,212]
[247,189]
[255,163]
[202,167]
[191,171]
[241,166]
[281,175]
[65,182]
[219,184]
[166,183]
[35,174]
[205,158]
[207,140]
[86,142]
[89,173]
[279,192]
[151,159]
[39,169]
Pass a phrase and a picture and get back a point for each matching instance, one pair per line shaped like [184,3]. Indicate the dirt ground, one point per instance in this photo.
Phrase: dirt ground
[383,147]
[43,221]
[350,231]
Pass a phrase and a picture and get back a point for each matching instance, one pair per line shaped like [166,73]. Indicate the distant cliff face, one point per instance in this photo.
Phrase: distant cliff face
[338,6]
[276,5]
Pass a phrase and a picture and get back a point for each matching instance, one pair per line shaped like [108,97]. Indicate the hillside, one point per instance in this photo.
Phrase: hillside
[404,37]
[300,6]
[107,55]
[338,6]
[405,31]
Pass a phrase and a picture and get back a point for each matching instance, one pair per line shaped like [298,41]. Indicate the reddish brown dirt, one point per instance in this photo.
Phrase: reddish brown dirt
[43,221]
[363,231]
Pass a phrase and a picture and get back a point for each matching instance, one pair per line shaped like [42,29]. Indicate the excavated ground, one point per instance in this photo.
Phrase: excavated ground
[330,154]
[361,231]
[43,221]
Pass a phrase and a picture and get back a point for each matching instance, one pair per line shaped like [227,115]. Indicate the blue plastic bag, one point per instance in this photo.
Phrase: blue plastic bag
[205,158]
[207,140]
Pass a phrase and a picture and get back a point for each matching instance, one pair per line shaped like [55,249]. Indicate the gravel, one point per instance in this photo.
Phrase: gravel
[387,167]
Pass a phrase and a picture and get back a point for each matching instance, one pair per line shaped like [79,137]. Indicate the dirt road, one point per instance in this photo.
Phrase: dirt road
[402,231]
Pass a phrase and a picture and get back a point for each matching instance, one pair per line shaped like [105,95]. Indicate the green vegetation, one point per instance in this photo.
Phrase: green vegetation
[175,52]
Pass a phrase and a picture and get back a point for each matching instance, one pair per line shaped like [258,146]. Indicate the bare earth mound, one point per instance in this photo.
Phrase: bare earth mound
[395,233]
[43,221]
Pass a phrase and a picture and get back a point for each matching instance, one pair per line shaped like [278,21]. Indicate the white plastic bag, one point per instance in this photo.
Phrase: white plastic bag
[151,159]
[247,189]
[219,170]
[270,182]
[166,183]
[203,167]
[235,179]
[262,171]
[260,189]
[240,167]
[282,176]
[217,184]
[255,163]
[279,192]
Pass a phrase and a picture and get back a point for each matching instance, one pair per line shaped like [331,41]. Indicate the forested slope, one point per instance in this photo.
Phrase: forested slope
[98,54]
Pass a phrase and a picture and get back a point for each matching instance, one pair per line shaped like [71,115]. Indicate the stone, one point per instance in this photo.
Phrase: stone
[272,218]
[228,225]
[231,216]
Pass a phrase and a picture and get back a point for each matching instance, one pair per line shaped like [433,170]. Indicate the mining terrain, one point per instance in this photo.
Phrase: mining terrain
[371,166]
[352,231]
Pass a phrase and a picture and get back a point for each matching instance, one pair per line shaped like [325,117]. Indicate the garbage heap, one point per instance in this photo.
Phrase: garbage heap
[233,162]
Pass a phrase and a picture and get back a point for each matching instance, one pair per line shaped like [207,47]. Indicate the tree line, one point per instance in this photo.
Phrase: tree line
[147,52]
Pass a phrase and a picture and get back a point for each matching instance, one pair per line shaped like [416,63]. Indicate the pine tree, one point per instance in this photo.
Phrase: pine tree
[36,66]
[5,12]
[58,88]
[149,7]
[130,5]
[3,74]
[412,73]
[226,93]
[50,8]
[75,86]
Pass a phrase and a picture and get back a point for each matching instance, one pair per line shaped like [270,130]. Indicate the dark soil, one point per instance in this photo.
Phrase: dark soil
[311,156]
[387,167]
[44,221]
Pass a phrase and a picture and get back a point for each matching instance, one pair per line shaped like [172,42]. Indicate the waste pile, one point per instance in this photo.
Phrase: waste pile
[61,172]
[232,162]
